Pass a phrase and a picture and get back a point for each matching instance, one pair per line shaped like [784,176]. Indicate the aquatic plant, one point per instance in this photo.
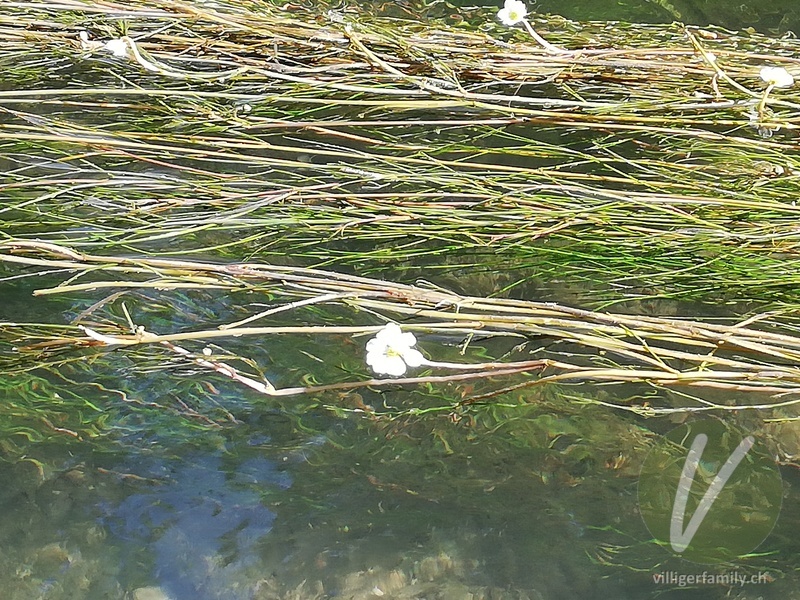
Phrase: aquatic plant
[628,170]
[646,164]
[756,355]
[515,11]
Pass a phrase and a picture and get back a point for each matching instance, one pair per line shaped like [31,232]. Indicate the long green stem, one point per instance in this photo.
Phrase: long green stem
[763,103]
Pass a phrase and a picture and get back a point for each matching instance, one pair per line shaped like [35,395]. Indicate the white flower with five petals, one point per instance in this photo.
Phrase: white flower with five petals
[513,12]
[391,351]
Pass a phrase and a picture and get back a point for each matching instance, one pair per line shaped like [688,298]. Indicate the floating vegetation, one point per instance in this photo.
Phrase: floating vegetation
[645,161]
[554,343]
[640,162]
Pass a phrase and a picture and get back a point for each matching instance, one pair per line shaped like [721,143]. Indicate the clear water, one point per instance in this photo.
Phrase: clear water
[285,499]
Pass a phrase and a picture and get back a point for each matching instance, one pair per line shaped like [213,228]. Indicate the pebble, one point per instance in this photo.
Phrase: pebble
[150,593]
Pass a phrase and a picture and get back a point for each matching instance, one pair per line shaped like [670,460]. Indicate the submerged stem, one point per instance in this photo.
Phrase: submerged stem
[763,102]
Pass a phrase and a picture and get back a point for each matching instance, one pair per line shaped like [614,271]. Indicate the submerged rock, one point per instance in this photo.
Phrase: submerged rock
[149,593]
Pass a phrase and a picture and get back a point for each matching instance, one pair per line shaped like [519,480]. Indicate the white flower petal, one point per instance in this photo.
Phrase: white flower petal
[406,339]
[376,345]
[395,367]
[389,365]
[777,76]
[118,47]
[390,330]
[375,358]
[413,358]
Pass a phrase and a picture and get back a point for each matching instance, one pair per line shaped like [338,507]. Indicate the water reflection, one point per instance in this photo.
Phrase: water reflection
[201,523]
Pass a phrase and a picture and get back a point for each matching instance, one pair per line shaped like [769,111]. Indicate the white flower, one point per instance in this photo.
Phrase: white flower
[391,351]
[513,12]
[118,47]
[777,77]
